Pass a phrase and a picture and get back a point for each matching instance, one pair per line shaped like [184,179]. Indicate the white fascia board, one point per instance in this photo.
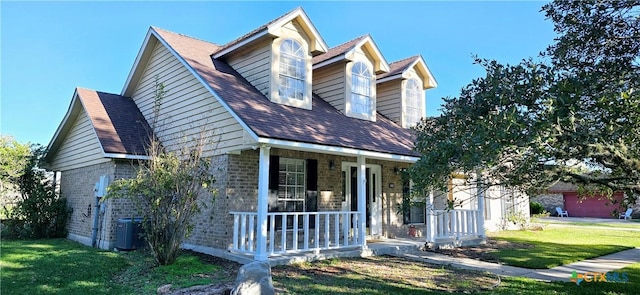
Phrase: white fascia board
[298,12]
[422,64]
[342,151]
[383,62]
[74,101]
[329,61]
[389,78]
[136,62]
[125,156]
[241,44]
[253,135]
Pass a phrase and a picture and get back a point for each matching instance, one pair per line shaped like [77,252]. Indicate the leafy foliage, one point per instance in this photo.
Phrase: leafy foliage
[573,115]
[166,191]
[536,208]
[39,212]
[13,158]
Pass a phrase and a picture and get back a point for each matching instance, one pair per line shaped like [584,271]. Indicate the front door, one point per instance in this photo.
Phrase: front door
[373,194]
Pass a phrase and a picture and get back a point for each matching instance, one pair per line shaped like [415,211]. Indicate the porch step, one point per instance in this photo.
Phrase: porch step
[378,248]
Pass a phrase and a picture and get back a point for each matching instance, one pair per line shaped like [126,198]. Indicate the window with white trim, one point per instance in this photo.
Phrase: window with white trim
[361,96]
[291,184]
[412,103]
[292,76]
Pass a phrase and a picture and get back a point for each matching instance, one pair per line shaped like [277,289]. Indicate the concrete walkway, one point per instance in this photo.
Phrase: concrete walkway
[601,264]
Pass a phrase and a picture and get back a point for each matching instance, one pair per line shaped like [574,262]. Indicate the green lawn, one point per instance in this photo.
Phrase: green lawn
[388,275]
[58,267]
[633,223]
[558,246]
[62,267]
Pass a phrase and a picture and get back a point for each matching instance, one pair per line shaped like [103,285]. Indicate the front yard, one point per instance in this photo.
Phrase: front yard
[63,267]
[551,247]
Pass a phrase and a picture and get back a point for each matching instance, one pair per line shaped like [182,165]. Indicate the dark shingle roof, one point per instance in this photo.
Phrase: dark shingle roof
[338,50]
[119,125]
[256,31]
[397,67]
[322,125]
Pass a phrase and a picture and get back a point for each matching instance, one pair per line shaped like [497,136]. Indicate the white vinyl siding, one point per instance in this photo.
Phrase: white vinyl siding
[187,108]
[328,83]
[388,100]
[254,64]
[80,147]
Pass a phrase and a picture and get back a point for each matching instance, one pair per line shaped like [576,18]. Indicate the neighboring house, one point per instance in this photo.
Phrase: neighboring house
[310,139]
[565,195]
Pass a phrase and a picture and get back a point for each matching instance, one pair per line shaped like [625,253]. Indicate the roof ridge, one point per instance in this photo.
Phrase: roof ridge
[405,59]
[354,39]
[183,35]
[258,29]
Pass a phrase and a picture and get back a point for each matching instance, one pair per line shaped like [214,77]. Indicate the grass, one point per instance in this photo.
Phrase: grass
[389,275]
[558,246]
[376,275]
[633,223]
[58,267]
[62,267]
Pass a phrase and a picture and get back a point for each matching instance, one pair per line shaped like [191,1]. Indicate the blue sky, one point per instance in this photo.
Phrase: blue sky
[49,48]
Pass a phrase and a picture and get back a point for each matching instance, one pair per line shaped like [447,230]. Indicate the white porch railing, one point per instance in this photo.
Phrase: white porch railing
[293,232]
[456,224]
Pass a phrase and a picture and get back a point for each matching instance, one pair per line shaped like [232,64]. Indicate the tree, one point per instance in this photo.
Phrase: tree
[13,159]
[573,114]
[167,189]
[39,211]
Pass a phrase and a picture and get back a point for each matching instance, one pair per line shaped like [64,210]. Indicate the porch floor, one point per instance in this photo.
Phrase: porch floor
[375,247]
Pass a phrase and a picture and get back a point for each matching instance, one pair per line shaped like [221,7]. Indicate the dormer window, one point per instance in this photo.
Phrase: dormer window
[361,90]
[412,103]
[292,70]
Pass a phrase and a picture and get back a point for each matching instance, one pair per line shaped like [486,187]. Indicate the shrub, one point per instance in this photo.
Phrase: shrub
[536,208]
[39,212]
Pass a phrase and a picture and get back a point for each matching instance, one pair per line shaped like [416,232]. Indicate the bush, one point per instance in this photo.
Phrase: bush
[536,208]
[39,212]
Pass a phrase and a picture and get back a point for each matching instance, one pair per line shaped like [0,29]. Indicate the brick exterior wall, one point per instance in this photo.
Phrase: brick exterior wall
[77,186]
[237,190]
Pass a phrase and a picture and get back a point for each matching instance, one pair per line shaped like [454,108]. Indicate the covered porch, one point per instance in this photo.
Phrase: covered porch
[287,220]
[263,234]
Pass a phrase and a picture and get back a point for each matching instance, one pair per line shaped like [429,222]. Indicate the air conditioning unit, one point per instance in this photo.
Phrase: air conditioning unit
[129,234]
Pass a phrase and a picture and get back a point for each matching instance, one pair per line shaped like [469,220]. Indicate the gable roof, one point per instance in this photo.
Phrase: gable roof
[398,69]
[268,121]
[344,52]
[119,126]
[317,44]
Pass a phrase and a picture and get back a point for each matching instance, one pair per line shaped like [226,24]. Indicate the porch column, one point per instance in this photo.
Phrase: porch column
[263,201]
[480,194]
[431,219]
[362,202]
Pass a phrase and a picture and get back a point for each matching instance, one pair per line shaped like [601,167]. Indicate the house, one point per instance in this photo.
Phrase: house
[310,140]
[565,195]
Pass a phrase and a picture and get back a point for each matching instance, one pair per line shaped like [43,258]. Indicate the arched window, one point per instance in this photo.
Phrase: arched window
[413,103]
[361,100]
[292,70]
